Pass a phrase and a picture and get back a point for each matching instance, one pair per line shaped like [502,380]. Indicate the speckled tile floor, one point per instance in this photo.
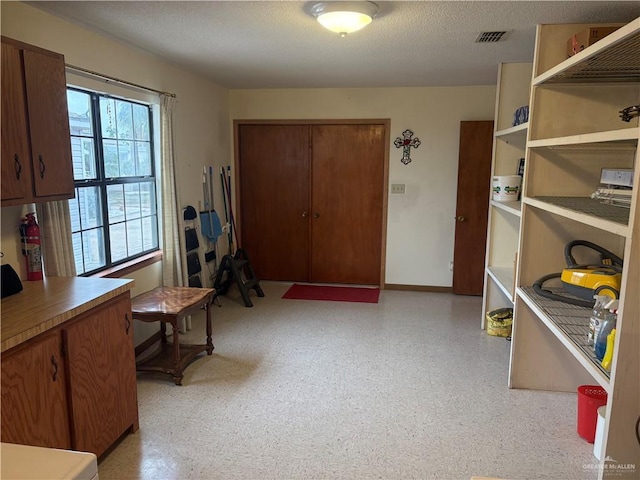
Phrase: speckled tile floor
[410,388]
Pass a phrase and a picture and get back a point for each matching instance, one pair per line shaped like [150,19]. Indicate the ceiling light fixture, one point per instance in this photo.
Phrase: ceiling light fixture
[344,17]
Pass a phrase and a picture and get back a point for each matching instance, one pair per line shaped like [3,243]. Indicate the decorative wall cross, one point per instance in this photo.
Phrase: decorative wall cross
[406,142]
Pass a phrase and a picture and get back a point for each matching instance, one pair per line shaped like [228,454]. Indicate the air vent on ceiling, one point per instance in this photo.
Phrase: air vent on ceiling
[491,37]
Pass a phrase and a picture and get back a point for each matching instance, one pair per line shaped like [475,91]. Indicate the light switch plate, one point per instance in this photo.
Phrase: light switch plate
[397,188]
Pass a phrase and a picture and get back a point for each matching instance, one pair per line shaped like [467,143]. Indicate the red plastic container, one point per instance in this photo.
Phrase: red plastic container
[590,398]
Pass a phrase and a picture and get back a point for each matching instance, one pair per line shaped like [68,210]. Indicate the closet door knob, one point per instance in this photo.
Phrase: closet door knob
[460,218]
[316,215]
[305,214]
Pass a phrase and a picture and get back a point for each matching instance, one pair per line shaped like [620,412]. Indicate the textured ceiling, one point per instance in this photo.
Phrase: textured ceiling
[277,44]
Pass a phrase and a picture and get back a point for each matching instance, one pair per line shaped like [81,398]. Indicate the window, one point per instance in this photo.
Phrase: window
[114,214]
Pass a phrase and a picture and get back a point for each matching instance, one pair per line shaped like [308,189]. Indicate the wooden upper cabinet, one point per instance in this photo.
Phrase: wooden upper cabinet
[34,398]
[49,121]
[16,162]
[34,104]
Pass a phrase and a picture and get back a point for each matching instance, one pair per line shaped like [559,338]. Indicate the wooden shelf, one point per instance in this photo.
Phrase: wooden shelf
[626,138]
[587,211]
[162,360]
[516,136]
[613,59]
[503,227]
[574,132]
[503,278]
[570,324]
[514,208]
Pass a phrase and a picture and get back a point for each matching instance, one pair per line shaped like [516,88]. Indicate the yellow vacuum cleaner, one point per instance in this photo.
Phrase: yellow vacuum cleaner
[585,281]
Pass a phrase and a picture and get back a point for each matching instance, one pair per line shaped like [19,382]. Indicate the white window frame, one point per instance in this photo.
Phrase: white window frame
[89,85]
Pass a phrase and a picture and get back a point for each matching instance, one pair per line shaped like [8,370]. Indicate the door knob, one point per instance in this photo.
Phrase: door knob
[460,218]
[316,215]
[305,214]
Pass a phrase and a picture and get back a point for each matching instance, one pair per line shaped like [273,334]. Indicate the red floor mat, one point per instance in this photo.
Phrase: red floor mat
[336,294]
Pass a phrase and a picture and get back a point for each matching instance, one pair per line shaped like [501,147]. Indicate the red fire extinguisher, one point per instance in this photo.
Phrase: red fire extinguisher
[30,233]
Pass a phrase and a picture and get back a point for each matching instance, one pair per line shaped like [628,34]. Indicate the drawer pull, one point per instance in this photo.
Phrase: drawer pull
[42,166]
[128,322]
[18,166]
[54,364]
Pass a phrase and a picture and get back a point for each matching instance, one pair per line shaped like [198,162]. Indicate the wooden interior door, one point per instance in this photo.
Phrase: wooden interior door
[347,203]
[474,175]
[274,199]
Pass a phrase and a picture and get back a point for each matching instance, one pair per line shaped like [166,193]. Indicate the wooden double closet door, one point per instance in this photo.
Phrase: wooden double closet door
[312,200]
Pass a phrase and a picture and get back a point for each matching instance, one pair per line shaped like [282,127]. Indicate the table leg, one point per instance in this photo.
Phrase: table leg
[177,371]
[163,329]
[208,316]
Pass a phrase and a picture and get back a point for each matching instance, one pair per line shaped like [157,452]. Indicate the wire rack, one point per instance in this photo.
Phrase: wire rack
[618,63]
[571,319]
[590,206]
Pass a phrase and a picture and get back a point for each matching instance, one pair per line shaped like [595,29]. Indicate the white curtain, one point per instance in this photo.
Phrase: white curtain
[55,235]
[171,248]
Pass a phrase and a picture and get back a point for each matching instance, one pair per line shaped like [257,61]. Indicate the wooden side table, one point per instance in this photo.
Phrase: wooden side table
[171,305]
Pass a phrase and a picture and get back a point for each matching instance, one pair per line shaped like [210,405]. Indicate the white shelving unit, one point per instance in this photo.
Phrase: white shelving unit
[514,80]
[575,130]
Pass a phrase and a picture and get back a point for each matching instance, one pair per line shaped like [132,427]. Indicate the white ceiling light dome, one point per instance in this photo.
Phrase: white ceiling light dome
[344,17]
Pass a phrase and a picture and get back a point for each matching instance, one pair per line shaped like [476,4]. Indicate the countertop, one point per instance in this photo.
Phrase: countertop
[43,305]
[37,463]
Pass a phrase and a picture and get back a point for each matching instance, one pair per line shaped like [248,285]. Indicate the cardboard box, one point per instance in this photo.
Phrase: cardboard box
[585,38]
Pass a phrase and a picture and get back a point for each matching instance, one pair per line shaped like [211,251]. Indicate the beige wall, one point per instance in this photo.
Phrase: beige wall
[201,118]
[201,134]
[420,223]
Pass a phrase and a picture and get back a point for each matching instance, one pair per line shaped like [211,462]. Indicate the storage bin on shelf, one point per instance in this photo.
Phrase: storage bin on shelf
[506,188]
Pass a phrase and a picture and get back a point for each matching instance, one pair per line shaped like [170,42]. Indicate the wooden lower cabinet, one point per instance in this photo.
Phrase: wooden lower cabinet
[34,397]
[84,401]
[101,366]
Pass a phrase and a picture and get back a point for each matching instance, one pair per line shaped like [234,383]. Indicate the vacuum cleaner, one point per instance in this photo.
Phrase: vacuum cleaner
[585,281]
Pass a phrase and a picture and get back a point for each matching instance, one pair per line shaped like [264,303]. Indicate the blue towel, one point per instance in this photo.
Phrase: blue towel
[211,226]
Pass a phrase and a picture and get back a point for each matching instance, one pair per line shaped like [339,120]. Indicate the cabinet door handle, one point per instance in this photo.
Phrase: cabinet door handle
[42,166]
[18,166]
[316,215]
[54,371]
[127,322]
[305,214]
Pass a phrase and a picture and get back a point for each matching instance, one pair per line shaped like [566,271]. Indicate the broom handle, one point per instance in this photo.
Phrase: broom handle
[233,223]
[205,188]
[211,202]
[226,212]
